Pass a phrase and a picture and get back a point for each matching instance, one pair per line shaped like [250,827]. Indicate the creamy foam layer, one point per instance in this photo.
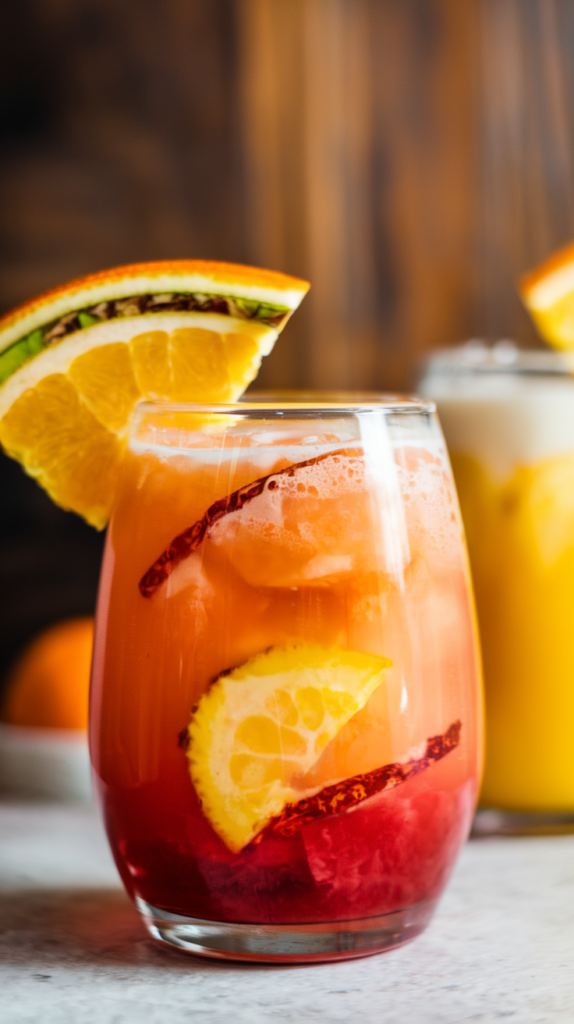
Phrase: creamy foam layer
[505,420]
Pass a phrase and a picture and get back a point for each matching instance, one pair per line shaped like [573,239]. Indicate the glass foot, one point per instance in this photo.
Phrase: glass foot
[519,823]
[287,943]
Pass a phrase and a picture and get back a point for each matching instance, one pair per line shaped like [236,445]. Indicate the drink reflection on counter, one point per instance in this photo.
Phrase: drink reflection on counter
[508,417]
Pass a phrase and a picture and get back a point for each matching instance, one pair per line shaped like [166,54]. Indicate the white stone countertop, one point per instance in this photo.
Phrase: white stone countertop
[73,950]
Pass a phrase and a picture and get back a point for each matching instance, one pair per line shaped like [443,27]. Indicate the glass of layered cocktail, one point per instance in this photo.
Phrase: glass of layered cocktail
[286,708]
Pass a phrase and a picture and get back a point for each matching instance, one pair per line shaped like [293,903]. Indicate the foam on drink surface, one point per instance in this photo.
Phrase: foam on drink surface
[505,420]
[324,512]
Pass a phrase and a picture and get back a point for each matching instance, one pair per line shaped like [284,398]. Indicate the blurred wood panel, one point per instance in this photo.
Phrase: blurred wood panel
[118,136]
[525,163]
[411,158]
[272,90]
[359,153]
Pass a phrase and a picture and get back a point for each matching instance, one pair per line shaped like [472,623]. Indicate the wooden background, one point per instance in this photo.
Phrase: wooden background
[410,157]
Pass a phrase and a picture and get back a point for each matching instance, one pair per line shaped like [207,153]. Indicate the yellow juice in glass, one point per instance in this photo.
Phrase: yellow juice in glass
[509,425]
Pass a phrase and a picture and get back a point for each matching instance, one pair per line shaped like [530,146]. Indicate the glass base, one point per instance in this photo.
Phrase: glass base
[287,943]
[521,823]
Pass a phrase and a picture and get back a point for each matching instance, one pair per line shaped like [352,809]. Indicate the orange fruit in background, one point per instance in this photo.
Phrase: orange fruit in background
[50,682]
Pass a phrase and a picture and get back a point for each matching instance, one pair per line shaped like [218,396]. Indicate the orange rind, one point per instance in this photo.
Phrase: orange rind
[163,276]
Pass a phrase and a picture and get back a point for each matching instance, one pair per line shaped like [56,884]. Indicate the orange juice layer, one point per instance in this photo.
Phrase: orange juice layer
[520,534]
[327,556]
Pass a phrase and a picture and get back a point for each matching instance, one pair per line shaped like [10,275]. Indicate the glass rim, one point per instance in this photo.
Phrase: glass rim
[287,402]
[504,359]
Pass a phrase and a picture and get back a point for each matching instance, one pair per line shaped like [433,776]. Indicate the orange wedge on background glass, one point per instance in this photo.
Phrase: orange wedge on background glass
[548,294]
[75,361]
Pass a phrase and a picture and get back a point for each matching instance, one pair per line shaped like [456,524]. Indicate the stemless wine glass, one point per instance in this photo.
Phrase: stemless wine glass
[286,706]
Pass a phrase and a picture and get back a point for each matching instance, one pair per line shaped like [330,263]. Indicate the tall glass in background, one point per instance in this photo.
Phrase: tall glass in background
[508,418]
[261,559]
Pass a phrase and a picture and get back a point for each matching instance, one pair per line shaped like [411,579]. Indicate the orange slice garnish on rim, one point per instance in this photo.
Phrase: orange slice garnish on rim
[74,363]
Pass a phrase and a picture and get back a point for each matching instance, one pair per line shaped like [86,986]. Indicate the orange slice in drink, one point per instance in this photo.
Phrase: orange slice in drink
[548,294]
[260,728]
[74,363]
